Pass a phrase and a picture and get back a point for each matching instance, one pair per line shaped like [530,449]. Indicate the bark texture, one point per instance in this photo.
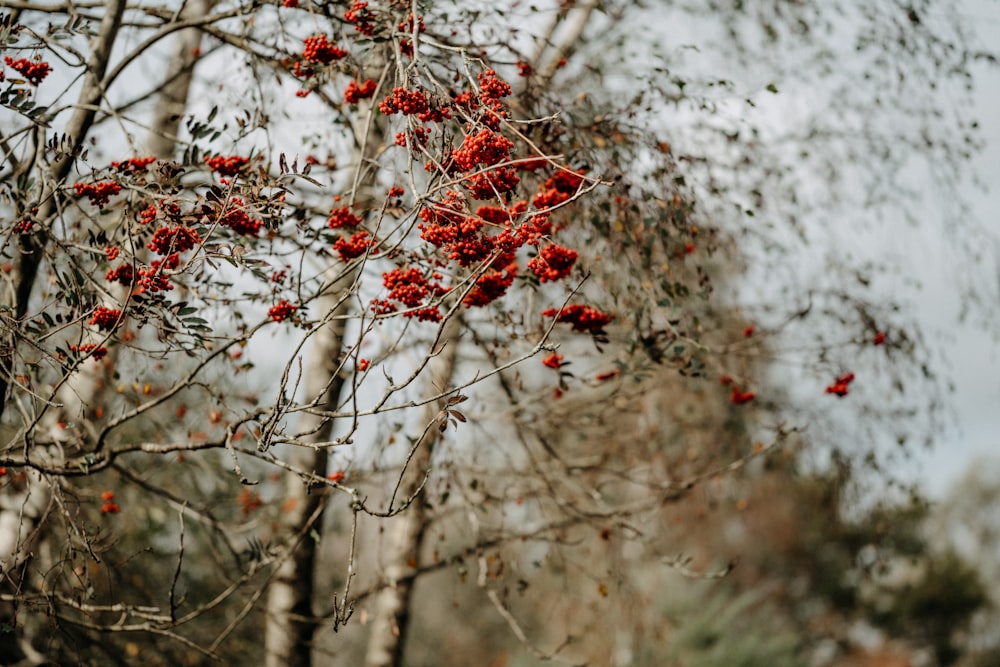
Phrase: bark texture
[290,625]
[405,531]
[291,617]
[22,505]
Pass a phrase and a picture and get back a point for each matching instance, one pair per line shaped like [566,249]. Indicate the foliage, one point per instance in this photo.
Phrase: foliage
[726,629]
[829,566]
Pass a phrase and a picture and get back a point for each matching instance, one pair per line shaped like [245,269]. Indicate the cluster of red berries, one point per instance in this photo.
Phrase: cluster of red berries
[147,215]
[532,163]
[354,92]
[153,278]
[460,236]
[238,220]
[553,360]
[485,147]
[553,263]
[583,318]
[319,50]
[492,184]
[840,385]
[175,239]
[450,210]
[492,90]
[411,288]
[124,274]
[383,307]
[290,4]
[361,17]
[414,138]
[498,215]
[532,230]
[460,239]
[355,246]
[491,286]
[412,103]
[109,507]
[466,100]
[491,86]
[342,217]
[406,102]
[558,188]
[105,318]
[92,349]
[524,69]
[406,27]
[282,311]
[133,165]
[426,314]
[227,166]
[99,193]
[34,71]
[301,71]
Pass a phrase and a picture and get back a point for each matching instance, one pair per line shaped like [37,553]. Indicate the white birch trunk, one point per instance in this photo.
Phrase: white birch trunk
[21,507]
[405,531]
[289,630]
[390,618]
[290,624]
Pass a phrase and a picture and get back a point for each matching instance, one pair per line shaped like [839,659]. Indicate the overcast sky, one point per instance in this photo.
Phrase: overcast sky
[972,349]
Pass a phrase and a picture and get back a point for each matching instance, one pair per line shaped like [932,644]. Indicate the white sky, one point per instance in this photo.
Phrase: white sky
[972,349]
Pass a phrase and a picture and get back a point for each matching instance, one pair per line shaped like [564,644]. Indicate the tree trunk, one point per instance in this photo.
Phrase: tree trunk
[405,531]
[82,392]
[290,624]
[21,506]
[390,619]
[173,98]
[290,628]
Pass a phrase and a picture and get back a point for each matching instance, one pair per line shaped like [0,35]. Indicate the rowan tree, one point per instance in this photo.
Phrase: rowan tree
[303,276]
